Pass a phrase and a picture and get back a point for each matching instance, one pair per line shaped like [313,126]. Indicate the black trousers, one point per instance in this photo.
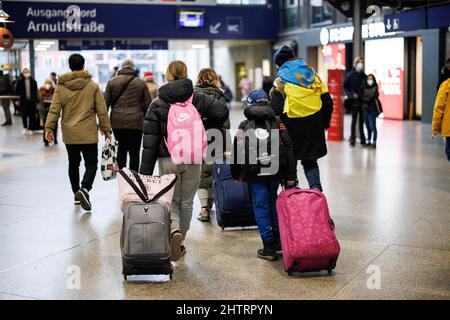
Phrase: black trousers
[29,114]
[129,143]
[90,157]
[357,116]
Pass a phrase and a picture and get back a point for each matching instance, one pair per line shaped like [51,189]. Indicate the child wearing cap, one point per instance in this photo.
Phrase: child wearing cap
[263,161]
[151,85]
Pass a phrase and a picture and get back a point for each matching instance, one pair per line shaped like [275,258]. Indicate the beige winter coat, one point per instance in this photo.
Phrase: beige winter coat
[79,101]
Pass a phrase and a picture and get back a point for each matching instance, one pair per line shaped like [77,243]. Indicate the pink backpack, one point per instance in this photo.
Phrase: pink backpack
[186,137]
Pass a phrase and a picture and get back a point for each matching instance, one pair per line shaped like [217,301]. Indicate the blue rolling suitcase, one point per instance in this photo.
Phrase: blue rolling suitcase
[232,200]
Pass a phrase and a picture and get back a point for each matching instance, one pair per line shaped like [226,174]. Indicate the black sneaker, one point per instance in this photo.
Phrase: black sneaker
[175,245]
[7,124]
[82,195]
[268,252]
[205,215]
[352,143]
[76,201]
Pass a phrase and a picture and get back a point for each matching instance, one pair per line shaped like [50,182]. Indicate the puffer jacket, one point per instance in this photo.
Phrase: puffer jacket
[287,170]
[128,110]
[213,112]
[206,175]
[81,101]
[370,98]
[441,114]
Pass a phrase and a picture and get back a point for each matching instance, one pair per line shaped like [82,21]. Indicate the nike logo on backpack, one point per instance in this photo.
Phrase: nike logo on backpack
[183,117]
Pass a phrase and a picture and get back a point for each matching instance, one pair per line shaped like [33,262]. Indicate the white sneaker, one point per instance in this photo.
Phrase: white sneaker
[29,132]
[25,131]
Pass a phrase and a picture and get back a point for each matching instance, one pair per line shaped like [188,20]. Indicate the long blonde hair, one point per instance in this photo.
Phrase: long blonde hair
[176,70]
[209,77]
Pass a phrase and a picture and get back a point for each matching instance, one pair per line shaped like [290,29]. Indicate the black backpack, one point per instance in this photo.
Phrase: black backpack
[259,155]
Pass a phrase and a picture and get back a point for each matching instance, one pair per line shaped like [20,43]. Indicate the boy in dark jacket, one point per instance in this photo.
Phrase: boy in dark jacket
[260,128]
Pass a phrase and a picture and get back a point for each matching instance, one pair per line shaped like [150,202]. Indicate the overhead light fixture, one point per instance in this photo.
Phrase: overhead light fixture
[49,43]
[4,17]
[198,46]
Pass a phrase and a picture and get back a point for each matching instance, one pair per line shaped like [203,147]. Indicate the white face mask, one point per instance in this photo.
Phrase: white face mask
[359,66]
[370,82]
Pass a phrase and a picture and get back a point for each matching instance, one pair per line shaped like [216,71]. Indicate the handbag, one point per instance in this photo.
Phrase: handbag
[379,107]
[135,187]
[108,165]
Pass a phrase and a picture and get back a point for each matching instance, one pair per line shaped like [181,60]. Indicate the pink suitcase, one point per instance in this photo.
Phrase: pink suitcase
[307,231]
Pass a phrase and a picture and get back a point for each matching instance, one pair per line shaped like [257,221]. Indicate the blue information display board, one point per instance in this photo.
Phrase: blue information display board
[99,20]
[427,18]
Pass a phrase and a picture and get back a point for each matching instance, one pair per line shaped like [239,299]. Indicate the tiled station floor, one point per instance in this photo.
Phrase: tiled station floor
[391,207]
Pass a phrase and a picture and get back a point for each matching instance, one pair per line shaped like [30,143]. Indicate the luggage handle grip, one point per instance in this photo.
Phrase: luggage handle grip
[142,192]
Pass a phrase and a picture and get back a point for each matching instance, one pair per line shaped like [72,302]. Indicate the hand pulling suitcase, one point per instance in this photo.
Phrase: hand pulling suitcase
[307,231]
[232,200]
[145,236]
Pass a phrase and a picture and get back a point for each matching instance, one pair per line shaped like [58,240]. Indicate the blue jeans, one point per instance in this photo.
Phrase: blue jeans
[264,198]
[312,173]
[370,119]
[447,148]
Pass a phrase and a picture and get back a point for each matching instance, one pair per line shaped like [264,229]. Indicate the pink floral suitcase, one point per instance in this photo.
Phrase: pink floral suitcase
[307,232]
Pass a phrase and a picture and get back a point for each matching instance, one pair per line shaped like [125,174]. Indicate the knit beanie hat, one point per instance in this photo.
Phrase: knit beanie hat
[282,55]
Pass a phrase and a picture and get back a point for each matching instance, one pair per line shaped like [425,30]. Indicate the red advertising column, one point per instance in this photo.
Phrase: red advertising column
[336,89]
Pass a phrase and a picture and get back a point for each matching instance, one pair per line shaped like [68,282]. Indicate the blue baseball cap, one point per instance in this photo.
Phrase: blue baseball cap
[257,96]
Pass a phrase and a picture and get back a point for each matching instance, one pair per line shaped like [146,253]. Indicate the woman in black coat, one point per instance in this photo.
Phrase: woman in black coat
[27,89]
[371,107]
[213,112]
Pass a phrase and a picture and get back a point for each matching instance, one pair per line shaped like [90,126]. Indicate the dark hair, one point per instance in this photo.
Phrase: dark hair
[448,60]
[76,62]
[374,79]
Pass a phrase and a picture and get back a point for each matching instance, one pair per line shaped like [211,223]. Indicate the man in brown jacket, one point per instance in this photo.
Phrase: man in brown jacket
[129,99]
[80,101]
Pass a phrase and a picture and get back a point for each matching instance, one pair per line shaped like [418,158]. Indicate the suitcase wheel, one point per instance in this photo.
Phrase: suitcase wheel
[171,276]
[330,268]
[291,270]
[125,277]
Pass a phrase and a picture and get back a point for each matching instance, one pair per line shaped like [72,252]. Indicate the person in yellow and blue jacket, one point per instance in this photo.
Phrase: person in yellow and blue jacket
[441,115]
[305,106]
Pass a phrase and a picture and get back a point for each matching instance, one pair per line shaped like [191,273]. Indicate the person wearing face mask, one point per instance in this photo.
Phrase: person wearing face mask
[371,107]
[353,86]
[5,90]
[47,91]
[28,91]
